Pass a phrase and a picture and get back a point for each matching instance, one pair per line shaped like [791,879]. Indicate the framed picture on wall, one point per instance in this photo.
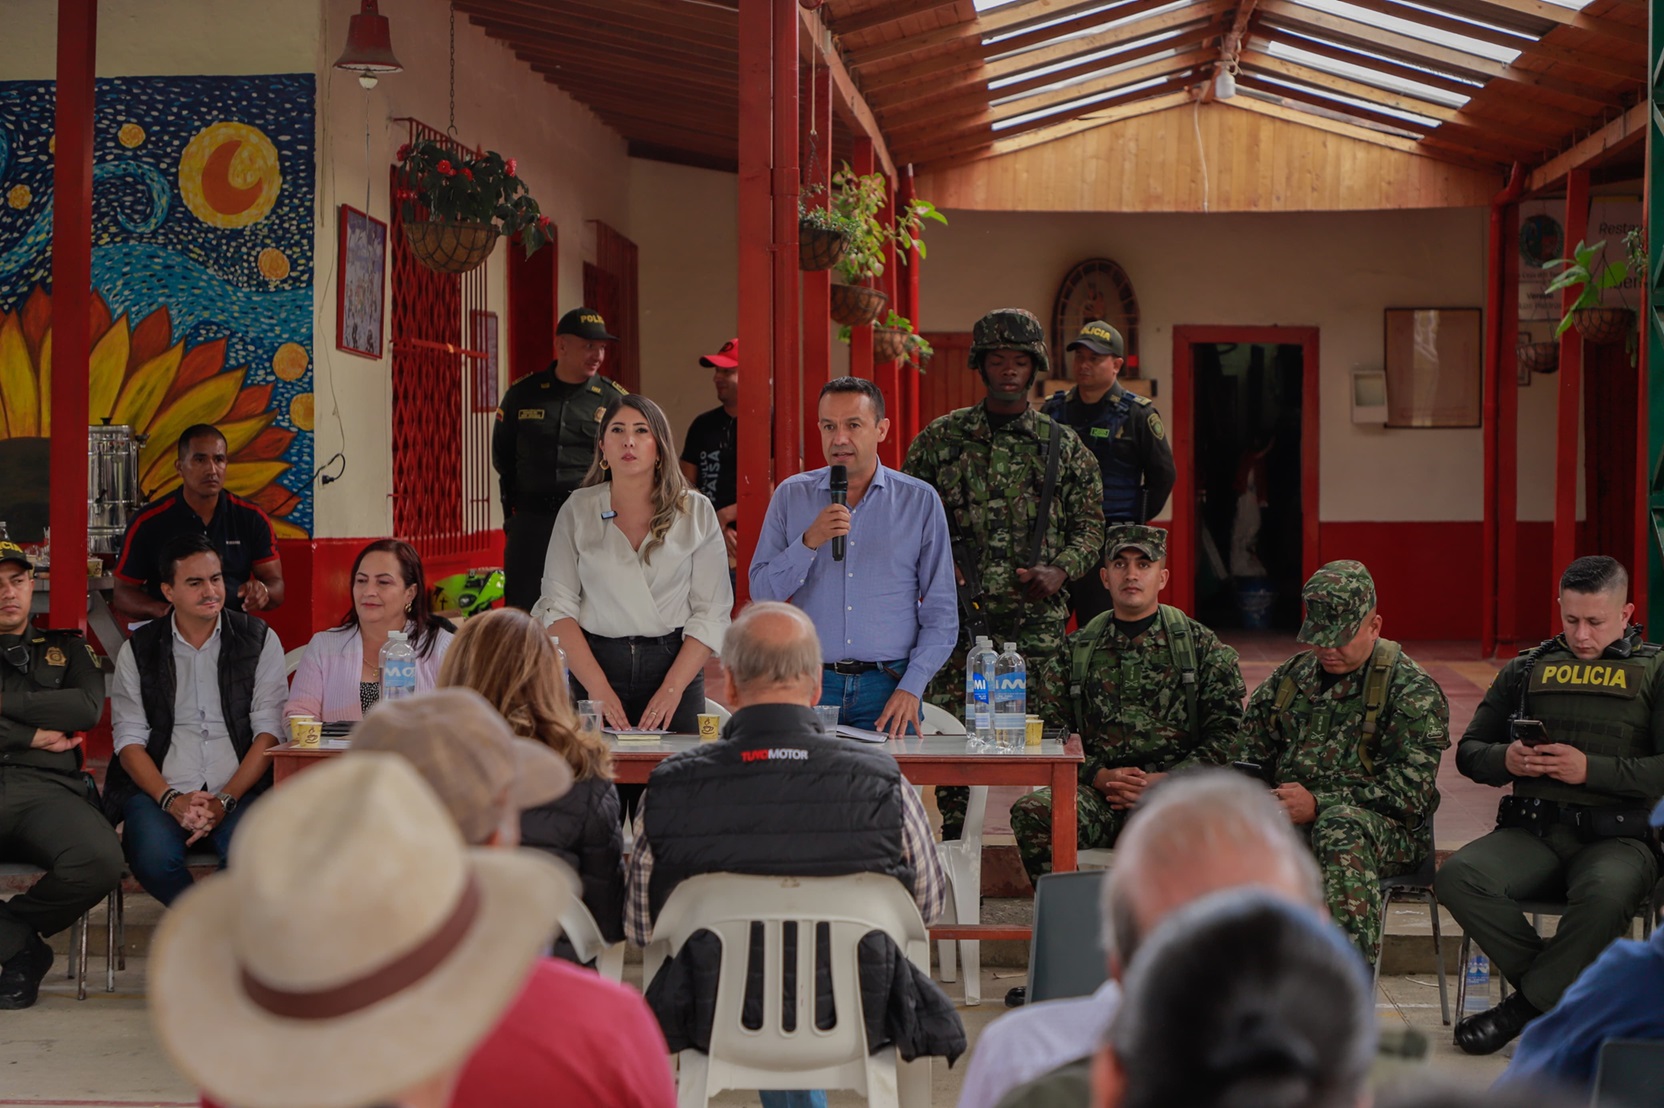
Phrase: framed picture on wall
[482,333]
[1434,367]
[361,286]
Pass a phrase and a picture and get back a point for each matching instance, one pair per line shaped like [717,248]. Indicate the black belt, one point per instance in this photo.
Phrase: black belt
[672,639]
[847,668]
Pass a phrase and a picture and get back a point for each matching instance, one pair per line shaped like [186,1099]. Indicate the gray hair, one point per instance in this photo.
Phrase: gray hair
[1191,815]
[758,656]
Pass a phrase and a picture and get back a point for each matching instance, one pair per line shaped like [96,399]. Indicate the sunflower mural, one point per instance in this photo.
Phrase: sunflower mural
[202,273]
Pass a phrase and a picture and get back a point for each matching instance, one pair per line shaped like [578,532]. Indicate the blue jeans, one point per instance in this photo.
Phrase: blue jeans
[155,846]
[797,1098]
[862,696]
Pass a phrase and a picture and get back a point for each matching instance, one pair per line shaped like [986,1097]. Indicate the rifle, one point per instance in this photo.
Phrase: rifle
[973,621]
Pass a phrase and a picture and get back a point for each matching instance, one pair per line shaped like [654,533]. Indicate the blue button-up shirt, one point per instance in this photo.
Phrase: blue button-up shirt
[892,597]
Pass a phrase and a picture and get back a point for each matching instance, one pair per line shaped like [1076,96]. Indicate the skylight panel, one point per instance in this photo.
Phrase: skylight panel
[1097,55]
[1342,99]
[1108,12]
[1296,38]
[989,5]
[1107,71]
[1420,31]
[1366,75]
[1017,121]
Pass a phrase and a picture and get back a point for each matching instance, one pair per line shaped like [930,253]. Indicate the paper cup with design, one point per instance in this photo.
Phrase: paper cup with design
[1035,728]
[305,731]
[710,727]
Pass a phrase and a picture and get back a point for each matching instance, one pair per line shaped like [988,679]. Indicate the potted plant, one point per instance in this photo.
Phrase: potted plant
[895,338]
[1587,271]
[454,207]
[859,198]
[822,233]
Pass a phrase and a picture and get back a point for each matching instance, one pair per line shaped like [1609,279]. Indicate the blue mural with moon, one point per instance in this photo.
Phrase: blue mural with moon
[203,239]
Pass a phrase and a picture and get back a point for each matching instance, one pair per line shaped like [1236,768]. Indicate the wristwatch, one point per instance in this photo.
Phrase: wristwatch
[227,801]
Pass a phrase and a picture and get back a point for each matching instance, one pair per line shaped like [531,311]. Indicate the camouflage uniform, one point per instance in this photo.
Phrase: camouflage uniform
[990,483]
[1375,796]
[1133,713]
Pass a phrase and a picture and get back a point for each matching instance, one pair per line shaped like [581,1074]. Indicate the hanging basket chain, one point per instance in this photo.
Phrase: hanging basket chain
[452,128]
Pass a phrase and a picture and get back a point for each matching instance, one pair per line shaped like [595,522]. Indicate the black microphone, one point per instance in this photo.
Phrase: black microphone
[840,495]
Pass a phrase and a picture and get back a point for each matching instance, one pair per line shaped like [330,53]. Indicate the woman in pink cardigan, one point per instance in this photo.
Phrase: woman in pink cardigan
[339,676]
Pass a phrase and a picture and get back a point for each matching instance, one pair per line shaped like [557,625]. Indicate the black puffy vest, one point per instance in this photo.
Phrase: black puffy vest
[242,638]
[776,797]
[1123,476]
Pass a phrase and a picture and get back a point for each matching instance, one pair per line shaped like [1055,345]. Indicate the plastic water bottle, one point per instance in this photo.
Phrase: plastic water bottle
[398,667]
[1477,996]
[979,690]
[1010,698]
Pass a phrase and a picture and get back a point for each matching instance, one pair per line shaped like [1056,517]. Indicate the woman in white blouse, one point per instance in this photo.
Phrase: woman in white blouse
[635,585]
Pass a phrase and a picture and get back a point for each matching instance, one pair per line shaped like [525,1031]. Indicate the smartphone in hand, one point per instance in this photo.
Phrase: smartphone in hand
[1252,769]
[1531,732]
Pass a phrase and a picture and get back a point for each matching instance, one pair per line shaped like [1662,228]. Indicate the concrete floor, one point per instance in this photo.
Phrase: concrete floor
[101,1052]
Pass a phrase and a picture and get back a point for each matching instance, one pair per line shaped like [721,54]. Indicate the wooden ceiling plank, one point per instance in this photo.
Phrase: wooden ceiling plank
[857,22]
[1160,67]
[1554,13]
[1627,129]
[848,98]
[1346,86]
[1130,31]
[967,37]
[619,46]
[600,24]
[637,13]
[1352,57]
[1544,51]
[1350,130]
[1288,92]
[653,152]
[607,73]
[1064,130]
[972,36]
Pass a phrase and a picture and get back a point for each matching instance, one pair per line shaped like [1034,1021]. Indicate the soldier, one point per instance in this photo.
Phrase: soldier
[1123,431]
[1349,734]
[1025,513]
[544,443]
[1147,686]
[1572,726]
[51,689]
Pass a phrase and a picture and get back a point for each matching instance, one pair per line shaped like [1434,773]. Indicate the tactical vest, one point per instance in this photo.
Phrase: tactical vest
[1180,642]
[1376,679]
[44,647]
[1104,437]
[554,436]
[1602,707]
[778,798]
[242,639]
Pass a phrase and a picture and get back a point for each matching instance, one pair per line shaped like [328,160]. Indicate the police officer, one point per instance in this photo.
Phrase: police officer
[1572,726]
[1025,513]
[1147,685]
[51,689]
[544,443]
[1349,736]
[1124,432]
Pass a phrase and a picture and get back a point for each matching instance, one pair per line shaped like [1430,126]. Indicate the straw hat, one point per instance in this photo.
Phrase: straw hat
[353,948]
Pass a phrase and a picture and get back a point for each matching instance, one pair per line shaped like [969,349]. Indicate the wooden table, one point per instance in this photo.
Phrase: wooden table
[931,760]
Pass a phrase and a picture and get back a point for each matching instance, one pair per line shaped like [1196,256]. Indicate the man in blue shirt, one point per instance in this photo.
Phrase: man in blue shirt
[889,610]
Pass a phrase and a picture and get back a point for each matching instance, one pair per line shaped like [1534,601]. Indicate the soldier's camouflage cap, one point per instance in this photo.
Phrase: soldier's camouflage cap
[1148,541]
[1338,597]
[1010,329]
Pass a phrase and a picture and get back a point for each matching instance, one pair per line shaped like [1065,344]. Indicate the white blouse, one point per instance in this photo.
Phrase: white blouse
[593,576]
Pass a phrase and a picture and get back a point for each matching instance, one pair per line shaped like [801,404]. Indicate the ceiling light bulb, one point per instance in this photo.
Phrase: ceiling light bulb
[366,80]
[1224,86]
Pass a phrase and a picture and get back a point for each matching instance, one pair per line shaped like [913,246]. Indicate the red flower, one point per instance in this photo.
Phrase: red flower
[404,152]
[542,223]
[511,166]
[444,168]
[406,194]
[468,173]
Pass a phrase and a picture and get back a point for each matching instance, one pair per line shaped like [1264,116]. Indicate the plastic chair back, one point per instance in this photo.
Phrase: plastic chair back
[291,660]
[712,708]
[773,1055]
[1066,954]
[937,720]
[1630,1074]
[581,930]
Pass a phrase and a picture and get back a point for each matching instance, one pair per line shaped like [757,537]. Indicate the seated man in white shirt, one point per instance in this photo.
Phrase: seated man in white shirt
[1196,833]
[197,701]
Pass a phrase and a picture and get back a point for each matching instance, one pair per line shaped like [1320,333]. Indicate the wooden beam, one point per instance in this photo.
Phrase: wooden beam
[1158,68]
[1230,48]
[685,41]
[1554,13]
[1044,135]
[1326,49]
[598,73]
[969,37]
[964,35]
[697,159]
[1259,81]
[1625,131]
[850,101]
[889,12]
[629,13]
[1131,31]
[1542,51]
[1323,123]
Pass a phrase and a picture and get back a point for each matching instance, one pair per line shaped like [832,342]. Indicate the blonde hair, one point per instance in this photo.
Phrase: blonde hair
[670,488]
[506,657]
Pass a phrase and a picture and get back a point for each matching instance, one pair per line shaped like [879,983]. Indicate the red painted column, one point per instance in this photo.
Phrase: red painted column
[860,338]
[887,371]
[756,271]
[909,282]
[71,305]
[817,285]
[788,445]
[1496,289]
[1568,400]
[1508,440]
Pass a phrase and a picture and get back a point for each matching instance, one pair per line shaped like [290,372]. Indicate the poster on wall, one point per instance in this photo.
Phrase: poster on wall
[202,276]
[483,330]
[360,294]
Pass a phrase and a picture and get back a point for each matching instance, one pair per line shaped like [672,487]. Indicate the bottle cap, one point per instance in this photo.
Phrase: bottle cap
[1010,648]
[398,636]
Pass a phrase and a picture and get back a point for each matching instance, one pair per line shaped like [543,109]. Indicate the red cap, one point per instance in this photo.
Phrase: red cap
[726,358]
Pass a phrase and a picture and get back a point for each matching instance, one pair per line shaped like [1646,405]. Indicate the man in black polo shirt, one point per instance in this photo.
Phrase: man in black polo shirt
[708,453]
[239,530]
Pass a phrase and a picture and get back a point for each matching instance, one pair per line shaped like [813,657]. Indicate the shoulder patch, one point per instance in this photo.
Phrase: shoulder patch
[1140,399]
[1156,428]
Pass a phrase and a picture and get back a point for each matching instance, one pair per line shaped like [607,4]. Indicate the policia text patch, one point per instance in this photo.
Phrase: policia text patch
[1606,678]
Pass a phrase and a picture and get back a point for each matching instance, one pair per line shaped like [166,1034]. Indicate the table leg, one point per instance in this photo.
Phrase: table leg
[1064,830]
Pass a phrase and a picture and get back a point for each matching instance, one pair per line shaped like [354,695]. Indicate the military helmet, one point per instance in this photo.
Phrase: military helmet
[1010,329]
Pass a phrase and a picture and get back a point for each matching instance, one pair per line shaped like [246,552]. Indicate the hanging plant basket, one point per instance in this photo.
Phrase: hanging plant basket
[857,305]
[1538,357]
[1604,326]
[450,247]
[819,248]
[889,343]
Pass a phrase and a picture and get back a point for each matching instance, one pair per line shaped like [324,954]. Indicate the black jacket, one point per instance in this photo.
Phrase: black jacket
[584,830]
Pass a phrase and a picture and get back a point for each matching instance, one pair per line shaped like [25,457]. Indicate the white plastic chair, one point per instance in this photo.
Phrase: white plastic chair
[962,860]
[1097,857]
[291,660]
[584,934]
[771,1057]
[712,708]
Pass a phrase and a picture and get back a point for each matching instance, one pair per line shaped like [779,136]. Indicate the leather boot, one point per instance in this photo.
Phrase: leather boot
[21,976]
[1491,1030]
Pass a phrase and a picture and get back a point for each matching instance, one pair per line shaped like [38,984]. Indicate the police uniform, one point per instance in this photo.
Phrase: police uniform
[990,475]
[1146,694]
[1365,744]
[1587,843]
[49,680]
[1125,434]
[542,446]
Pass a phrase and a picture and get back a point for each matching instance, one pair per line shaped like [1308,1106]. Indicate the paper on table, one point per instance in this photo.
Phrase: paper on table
[637,734]
[861,734]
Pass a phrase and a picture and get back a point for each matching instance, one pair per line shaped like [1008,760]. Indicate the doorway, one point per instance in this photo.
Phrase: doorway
[1245,436]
